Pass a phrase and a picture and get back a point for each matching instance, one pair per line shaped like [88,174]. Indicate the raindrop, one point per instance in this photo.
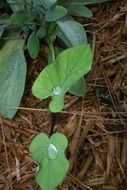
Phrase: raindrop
[57,90]
[52,151]
[37,168]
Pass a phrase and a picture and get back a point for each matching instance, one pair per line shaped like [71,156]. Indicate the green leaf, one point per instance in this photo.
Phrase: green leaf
[57,78]
[22,17]
[80,10]
[45,3]
[55,13]
[2,28]
[81,2]
[49,154]
[71,32]
[42,31]
[87,2]
[12,77]
[16,5]
[57,51]
[79,88]
[33,46]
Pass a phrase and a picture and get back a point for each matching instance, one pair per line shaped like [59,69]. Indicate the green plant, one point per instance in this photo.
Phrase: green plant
[58,77]
[49,155]
[55,80]
[33,21]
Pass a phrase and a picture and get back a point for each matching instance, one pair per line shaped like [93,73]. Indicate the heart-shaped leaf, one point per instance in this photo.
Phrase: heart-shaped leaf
[12,77]
[55,13]
[49,154]
[57,78]
[71,32]
[79,10]
[33,46]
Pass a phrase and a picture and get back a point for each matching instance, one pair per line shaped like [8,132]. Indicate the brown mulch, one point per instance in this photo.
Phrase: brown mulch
[96,125]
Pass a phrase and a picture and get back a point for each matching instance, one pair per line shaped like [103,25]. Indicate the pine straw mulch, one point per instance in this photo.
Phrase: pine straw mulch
[95,125]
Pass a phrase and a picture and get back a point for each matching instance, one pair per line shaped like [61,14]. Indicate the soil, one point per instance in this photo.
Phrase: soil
[96,125]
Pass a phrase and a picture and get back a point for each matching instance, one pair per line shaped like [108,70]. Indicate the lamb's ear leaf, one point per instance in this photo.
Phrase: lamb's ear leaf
[81,2]
[87,2]
[79,10]
[55,13]
[22,17]
[45,3]
[71,32]
[33,46]
[12,77]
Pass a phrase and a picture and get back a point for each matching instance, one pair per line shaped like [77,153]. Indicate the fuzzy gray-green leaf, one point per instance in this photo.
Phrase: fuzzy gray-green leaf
[45,3]
[80,10]
[33,46]
[71,32]
[55,13]
[12,77]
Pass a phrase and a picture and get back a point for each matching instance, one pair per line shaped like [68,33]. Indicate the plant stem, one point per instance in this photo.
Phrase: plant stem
[51,49]
[53,123]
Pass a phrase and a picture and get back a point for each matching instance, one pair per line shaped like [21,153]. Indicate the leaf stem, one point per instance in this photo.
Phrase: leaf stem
[53,123]
[51,47]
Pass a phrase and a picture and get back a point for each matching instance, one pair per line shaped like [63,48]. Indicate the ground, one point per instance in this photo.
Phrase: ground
[96,125]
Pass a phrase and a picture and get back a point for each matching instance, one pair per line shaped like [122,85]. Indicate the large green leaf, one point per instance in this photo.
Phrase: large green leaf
[79,10]
[49,154]
[45,3]
[57,78]
[55,13]
[71,32]
[12,77]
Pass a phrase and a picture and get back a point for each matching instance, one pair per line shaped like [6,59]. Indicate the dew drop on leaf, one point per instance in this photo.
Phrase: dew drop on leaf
[57,90]
[37,168]
[52,151]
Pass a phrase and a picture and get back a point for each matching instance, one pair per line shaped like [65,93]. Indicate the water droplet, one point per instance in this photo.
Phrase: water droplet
[52,151]
[37,168]
[56,91]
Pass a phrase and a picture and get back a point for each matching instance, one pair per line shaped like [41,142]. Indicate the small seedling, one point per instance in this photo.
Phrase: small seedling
[49,155]
[57,78]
